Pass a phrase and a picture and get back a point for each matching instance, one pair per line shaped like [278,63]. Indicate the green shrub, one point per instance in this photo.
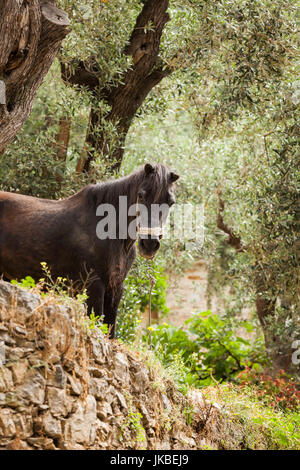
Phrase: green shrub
[210,350]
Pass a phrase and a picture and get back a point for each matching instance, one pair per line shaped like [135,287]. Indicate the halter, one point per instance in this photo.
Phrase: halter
[152,231]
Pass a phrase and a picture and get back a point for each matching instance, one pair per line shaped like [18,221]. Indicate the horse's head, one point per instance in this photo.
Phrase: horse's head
[155,197]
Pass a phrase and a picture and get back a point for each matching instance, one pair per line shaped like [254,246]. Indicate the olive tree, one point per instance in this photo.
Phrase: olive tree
[31,34]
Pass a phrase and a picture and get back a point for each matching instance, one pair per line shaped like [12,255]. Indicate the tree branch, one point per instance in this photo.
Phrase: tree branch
[233,240]
[135,84]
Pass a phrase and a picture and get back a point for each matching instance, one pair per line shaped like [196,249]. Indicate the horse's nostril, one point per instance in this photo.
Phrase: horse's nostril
[150,244]
[155,244]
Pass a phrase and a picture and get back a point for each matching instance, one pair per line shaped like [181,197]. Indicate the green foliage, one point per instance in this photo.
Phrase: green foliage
[133,424]
[100,30]
[59,286]
[209,351]
[241,94]
[279,392]
[135,298]
[262,426]
[225,352]
[25,169]
[96,322]
[27,283]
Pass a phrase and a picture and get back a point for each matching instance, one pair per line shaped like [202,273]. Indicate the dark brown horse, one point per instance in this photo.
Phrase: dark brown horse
[66,235]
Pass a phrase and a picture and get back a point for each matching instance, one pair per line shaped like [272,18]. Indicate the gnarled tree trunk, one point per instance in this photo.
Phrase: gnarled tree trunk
[125,98]
[63,137]
[31,32]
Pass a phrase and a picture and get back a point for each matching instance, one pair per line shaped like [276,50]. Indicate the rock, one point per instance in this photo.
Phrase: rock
[19,330]
[24,302]
[76,387]
[196,397]
[6,380]
[7,425]
[53,358]
[184,439]
[58,401]
[18,444]
[2,399]
[15,354]
[36,362]
[149,422]
[7,339]
[72,366]
[104,410]
[81,427]
[19,370]
[24,343]
[41,443]
[111,396]
[58,377]
[141,379]
[43,407]
[33,388]
[166,402]
[14,399]
[103,430]
[37,425]
[69,365]
[24,425]
[96,372]
[65,445]
[51,425]
[64,387]
[98,388]
[100,349]
[121,367]
[121,400]
[164,445]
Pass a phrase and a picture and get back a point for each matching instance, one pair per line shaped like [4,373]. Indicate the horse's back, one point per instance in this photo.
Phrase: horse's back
[21,201]
[34,230]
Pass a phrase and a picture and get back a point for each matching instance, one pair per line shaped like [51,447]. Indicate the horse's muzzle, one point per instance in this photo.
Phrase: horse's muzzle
[148,247]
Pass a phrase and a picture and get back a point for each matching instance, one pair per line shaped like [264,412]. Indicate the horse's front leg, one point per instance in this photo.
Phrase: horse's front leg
[112,299]
[95,301]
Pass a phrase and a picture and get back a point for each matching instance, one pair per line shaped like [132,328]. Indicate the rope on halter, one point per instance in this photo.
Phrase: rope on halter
[155,232]
[152,231]
[152,284]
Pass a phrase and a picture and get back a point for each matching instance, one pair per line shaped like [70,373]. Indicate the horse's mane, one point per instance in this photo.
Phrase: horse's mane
[109,191]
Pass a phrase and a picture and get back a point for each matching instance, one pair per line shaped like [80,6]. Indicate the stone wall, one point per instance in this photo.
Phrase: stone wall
[64,385]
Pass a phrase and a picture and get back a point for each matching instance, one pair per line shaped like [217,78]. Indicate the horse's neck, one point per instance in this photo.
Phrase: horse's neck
[131,189]
[129,186]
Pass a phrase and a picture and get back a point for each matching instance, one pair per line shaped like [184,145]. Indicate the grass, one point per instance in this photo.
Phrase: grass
[263,427]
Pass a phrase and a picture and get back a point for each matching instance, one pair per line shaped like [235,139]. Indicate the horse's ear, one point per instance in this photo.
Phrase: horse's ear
[173,177]
[148,168]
